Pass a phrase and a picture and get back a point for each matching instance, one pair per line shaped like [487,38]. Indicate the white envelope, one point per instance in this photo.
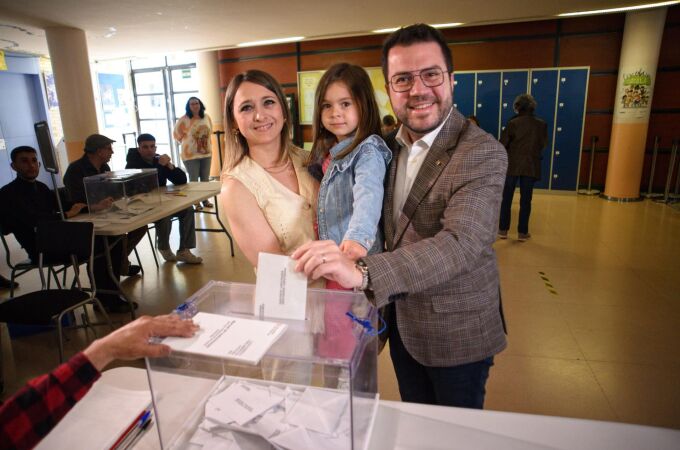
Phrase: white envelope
[318,410]
[280,291]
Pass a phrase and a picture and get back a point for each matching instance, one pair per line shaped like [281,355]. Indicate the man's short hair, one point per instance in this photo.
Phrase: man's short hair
[145,137]
[21,149]
[96,141]
[524,103]
[415,34]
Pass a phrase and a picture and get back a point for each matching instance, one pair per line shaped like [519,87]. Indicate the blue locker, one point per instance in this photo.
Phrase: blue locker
[487,101]
[543,87]
[569,126]
[464,93]
[513,84]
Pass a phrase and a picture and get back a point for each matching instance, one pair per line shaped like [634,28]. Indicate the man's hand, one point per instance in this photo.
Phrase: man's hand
[75,210]
[102,204]
[325,259]
[132,340]
[164,160]
[353,250]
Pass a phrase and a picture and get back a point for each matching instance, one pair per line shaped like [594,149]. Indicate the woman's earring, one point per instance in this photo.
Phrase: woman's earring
[235,131]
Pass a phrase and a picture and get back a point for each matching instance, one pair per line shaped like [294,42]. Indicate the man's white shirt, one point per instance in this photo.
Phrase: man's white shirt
[408,167]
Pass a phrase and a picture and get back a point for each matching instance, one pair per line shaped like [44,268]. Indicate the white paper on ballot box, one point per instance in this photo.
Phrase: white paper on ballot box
[280,291]
[229,337]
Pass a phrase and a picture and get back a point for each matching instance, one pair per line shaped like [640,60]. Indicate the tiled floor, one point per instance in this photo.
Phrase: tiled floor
[602,346]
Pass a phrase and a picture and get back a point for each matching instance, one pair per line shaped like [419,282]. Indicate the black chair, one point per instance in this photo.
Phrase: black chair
[58,241]
[25,266]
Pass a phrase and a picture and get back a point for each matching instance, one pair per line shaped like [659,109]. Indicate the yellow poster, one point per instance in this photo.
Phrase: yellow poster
[308,81]
[3,63]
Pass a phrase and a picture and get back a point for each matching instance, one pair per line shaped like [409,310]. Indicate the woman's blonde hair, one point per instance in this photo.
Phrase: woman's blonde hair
[236,146]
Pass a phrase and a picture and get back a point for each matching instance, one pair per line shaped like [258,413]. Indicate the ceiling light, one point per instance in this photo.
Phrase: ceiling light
[271,41]
[621,9]
[449,25]
[386,30]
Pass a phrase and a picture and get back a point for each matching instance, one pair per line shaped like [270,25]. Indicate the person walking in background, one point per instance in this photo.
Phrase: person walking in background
[194,131]
[524,137]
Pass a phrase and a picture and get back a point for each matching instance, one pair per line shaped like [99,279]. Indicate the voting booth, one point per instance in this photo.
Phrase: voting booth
[130,191]
[264,382]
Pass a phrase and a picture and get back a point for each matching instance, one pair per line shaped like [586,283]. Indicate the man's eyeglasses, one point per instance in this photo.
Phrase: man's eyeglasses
[403,82]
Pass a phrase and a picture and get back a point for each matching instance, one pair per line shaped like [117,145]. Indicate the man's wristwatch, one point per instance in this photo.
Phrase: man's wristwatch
[365,279]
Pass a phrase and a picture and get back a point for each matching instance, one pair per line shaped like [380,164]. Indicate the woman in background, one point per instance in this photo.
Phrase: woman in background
[194,131]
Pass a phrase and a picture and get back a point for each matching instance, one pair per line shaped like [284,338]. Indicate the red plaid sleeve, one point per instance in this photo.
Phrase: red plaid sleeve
[30,414]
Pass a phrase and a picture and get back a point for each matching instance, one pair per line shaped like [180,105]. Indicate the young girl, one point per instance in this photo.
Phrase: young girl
[353,159]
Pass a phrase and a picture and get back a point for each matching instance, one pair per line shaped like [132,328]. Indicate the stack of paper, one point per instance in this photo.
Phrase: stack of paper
[242,414]
[229,337]
[84,426]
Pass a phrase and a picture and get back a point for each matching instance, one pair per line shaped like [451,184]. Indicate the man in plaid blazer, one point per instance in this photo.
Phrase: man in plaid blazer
[438,277]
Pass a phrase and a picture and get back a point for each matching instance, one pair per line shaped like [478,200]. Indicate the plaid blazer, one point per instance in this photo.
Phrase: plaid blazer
[440,271]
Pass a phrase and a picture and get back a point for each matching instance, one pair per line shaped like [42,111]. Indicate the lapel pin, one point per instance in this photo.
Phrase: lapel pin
[438,162]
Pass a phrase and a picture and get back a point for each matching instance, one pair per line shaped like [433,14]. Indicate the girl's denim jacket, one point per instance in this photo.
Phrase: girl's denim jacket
[351,194]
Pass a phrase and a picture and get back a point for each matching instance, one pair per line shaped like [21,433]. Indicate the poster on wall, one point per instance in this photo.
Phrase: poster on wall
[308,81]
[634,96]
[113,100]
[52,100]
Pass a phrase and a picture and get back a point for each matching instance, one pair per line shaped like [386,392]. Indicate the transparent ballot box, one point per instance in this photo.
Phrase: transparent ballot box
[314,388]
[130,191]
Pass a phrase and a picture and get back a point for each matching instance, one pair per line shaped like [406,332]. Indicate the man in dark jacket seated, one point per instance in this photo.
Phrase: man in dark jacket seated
[145,157]
[26,201]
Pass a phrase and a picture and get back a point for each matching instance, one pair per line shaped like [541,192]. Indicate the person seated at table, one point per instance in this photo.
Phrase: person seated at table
[32,412]
[98,151]
[145,157]
[26,201]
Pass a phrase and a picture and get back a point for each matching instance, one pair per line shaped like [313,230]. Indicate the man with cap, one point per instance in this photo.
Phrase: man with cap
[98,151]
[145,157]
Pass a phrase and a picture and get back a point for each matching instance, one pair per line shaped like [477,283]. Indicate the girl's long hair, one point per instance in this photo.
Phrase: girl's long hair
[359,85]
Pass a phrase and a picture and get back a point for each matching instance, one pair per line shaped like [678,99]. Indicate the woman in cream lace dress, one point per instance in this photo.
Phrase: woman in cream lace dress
[268,196]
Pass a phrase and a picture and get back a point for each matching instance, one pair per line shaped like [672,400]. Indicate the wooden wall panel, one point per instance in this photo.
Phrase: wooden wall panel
[599,169]
[497,31]
[249,52]
[600,52]
[666,90]
[283,69]
[601,92]
[597,24]
[343,43]
[666,126]
[669,55]
[503,54]
[599,125]
[322,61]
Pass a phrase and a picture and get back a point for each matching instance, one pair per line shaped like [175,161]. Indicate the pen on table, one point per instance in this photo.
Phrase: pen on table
[138,433]
[129,429]
[131,434]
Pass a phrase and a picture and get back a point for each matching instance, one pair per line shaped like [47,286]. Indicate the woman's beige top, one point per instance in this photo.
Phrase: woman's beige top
[290,215]
[195,136]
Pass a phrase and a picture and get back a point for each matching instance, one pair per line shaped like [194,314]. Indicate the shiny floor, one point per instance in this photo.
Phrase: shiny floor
[592,302]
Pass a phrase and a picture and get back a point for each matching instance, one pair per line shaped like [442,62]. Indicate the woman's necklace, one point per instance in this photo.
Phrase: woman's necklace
[278,168]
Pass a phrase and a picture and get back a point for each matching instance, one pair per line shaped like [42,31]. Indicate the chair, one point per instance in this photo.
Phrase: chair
[23,267]
[58,241]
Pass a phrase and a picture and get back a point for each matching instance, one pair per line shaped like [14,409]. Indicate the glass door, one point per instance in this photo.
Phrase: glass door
[162,86]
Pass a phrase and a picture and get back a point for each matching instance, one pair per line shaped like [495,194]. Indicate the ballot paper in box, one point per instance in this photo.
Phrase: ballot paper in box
[130,191]
[315,385]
